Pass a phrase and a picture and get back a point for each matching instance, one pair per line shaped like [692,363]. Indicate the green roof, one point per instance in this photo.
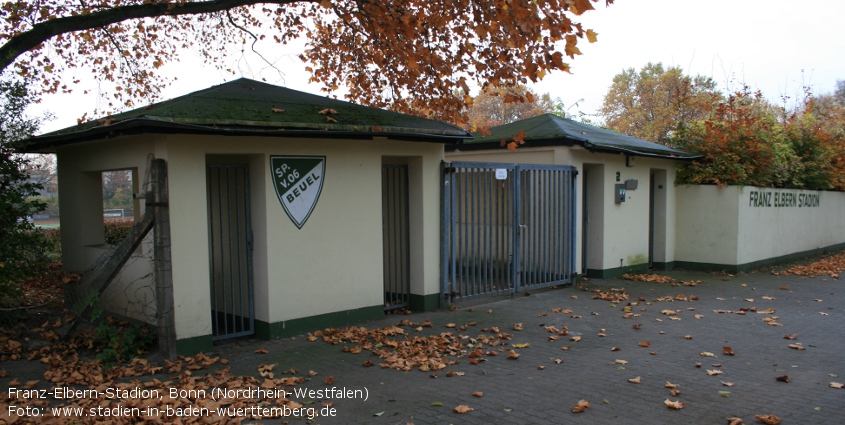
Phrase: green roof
[549,129]
[251,107]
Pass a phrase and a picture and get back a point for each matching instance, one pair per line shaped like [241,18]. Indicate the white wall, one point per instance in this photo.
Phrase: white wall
[737,226]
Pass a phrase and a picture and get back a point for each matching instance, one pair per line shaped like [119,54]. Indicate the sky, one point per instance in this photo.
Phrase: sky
[776,46]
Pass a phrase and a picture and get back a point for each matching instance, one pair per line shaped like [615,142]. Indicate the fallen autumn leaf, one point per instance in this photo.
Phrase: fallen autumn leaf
[463,409]
[581,406]
[674,404]
[768,419]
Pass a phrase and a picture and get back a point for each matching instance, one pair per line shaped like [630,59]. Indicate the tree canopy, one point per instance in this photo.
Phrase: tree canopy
[496,106]
[411,55]
[649,104]
[745,140]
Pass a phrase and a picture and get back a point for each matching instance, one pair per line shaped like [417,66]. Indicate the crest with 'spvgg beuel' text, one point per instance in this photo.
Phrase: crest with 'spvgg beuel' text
[298,181]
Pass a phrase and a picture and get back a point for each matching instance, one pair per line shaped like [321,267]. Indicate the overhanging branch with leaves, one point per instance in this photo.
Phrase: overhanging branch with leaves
[45,30]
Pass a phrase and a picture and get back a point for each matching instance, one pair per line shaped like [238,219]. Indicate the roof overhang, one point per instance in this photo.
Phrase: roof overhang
[552,130]
[251,108]
[50,142]
[569,142]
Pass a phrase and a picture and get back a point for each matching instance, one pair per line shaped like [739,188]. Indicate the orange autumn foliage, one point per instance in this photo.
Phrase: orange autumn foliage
[411,56]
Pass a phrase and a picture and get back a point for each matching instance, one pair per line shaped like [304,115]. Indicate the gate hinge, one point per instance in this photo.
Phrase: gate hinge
[575,173]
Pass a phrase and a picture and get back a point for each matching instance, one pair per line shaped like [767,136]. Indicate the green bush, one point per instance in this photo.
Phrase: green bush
[117,230]
[116,340]
[51,239]
[22,248]
[52,242]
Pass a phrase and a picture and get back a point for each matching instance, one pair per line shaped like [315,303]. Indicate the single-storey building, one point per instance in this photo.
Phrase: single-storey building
[288,211]
[623,203]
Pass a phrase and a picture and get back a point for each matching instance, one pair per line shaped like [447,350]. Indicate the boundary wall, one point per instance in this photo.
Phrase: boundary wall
[742,228]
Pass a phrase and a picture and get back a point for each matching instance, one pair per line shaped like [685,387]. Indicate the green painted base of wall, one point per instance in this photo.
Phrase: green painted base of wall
[617,272]
[429,302]
[754,265]
[191,346]
[293,327]
[663,266]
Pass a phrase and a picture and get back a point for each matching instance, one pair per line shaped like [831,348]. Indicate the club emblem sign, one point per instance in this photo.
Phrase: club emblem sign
[298,181]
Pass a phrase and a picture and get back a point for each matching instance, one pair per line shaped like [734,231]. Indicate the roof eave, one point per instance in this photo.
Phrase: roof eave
[498,144]
[568,141]
[48,143]
[649,154]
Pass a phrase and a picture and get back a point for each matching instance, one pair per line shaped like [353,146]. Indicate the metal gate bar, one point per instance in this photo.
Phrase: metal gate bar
[482,231]
[548,257]
[395,236]
[506,233]
[230,251]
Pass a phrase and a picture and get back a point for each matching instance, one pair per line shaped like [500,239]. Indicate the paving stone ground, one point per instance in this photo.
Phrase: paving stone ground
[519,392]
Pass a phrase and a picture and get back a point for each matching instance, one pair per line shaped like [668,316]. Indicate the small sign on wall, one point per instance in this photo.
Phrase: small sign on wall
[298,181]
[501,174]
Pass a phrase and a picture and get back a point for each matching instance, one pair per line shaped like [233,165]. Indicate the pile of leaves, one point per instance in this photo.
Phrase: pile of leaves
[654,278]
[400,350]
[613,295]
[66,368]
[830,266]
[47,286]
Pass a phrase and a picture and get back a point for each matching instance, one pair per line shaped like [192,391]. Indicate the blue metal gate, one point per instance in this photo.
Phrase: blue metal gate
[506,228]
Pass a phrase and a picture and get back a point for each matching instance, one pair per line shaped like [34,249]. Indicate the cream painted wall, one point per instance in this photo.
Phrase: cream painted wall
[543,156]
[726,226]
[773,231]
[188,233]
[334,263]
[80,172]
[702,234]
[625,223]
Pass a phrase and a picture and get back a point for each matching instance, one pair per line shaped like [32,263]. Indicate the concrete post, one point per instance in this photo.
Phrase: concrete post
[157,199]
